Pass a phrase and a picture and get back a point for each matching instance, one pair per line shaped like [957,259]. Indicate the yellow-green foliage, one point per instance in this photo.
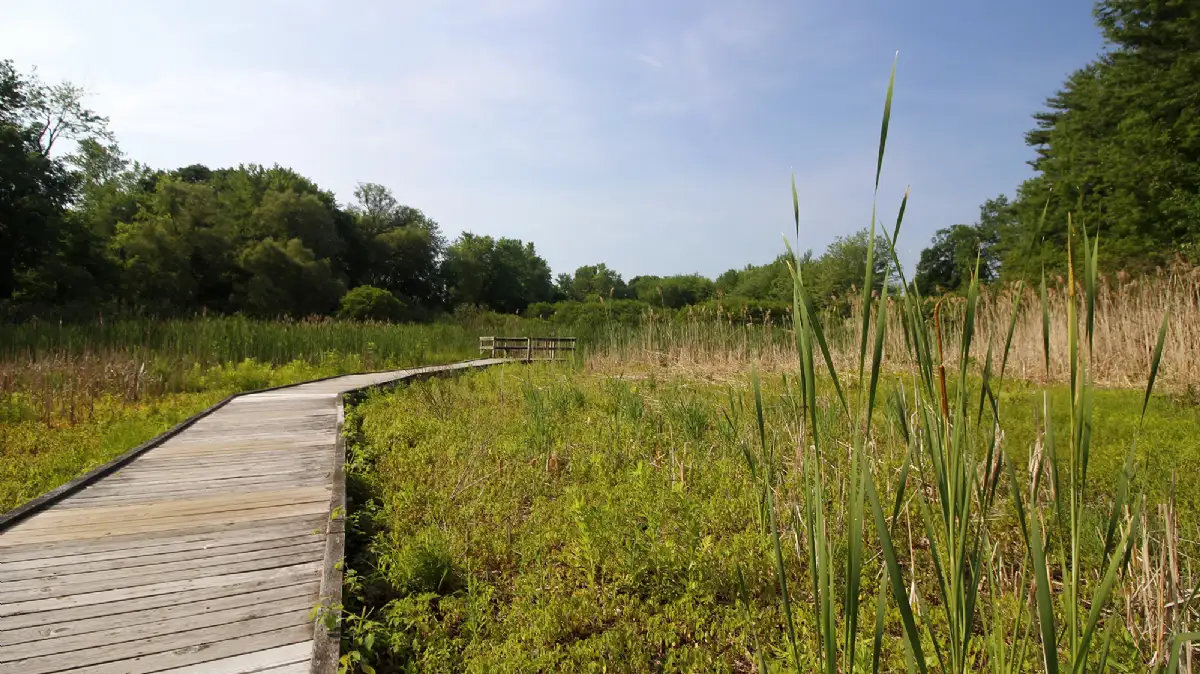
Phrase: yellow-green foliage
[35,458]
[534,519]
[522,520]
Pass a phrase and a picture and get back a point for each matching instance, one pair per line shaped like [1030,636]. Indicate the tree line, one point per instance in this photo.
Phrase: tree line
[1118,152]
[92,229]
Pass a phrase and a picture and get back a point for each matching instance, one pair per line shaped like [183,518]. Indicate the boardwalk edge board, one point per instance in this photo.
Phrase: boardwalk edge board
[327,642]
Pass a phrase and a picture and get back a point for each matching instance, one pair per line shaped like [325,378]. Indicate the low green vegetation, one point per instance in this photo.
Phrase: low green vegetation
[547,519]
[37,458]
[553,522]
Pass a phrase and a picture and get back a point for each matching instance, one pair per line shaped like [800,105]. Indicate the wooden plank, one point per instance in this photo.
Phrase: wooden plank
[253,426]
[251,471]
[27,570]
[237,456]
[122,489]
[205,653]
[138,544]
[120,594]
[202,465]
[159,525]
[295,668]
[123,609]
[103,583]
[261,662]
[192,490]
[70,576]
[171,611]
[211,618]
[54,519]
[139,470]
[242,449]
[150,654]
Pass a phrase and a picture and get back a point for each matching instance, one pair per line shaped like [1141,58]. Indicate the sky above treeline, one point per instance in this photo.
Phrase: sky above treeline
[658,137]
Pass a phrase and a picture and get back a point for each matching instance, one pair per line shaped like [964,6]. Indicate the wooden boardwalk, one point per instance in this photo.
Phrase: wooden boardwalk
[203,555]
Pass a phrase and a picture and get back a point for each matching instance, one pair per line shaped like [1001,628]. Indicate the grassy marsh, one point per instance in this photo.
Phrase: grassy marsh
[542,519]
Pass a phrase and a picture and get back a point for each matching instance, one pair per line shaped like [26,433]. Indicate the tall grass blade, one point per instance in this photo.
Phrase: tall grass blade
[877,647]
[877,354]
[1031,531]
[895,580]
[887,116]
[780,570]
[1155,360]
[807,316]
[1045,323]
[1012,327]
[1177,643]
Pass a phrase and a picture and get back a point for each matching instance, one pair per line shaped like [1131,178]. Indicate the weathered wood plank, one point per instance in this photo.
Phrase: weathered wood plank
[260,662]
[163,524]
[136,617]
[72,601]
[194,489]
[250,472]
[137,544]
[213,652]
[124,634]
[177,646]
[211,461]
[88,563]
[118,608]
[72,576]
[109,582]
[173,508]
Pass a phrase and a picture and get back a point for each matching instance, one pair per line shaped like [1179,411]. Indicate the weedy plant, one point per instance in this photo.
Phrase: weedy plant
[955,467]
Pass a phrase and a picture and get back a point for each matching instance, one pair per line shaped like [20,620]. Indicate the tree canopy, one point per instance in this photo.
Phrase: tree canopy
[1118,148]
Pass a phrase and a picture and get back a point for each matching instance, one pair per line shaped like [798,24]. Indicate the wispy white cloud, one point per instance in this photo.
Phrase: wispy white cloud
[701,68]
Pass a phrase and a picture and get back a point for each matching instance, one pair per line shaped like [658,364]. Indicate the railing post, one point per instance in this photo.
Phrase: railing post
[529,349]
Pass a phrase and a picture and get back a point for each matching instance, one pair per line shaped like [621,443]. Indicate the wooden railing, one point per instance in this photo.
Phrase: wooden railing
[528,348]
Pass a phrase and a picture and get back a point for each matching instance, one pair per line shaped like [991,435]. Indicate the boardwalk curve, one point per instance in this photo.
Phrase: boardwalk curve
[204,553]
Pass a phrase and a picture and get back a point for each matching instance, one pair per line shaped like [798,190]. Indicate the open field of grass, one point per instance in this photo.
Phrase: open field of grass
[558,519]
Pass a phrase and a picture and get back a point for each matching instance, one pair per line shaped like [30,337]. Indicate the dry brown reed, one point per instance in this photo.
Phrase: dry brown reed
[1128,315]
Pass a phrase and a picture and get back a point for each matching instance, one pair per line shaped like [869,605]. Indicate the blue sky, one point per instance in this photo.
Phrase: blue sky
[658,137]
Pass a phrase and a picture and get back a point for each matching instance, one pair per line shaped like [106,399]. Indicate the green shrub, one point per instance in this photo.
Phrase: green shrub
[368,303]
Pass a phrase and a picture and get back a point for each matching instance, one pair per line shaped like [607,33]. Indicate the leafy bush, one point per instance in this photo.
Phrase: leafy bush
[368,303]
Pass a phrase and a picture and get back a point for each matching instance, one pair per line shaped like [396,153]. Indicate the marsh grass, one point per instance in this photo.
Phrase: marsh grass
[957,464]
[1128,312]
[626,549]
[884,492]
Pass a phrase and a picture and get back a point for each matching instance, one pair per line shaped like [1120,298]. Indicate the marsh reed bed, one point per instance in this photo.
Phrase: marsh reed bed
[1127,316]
